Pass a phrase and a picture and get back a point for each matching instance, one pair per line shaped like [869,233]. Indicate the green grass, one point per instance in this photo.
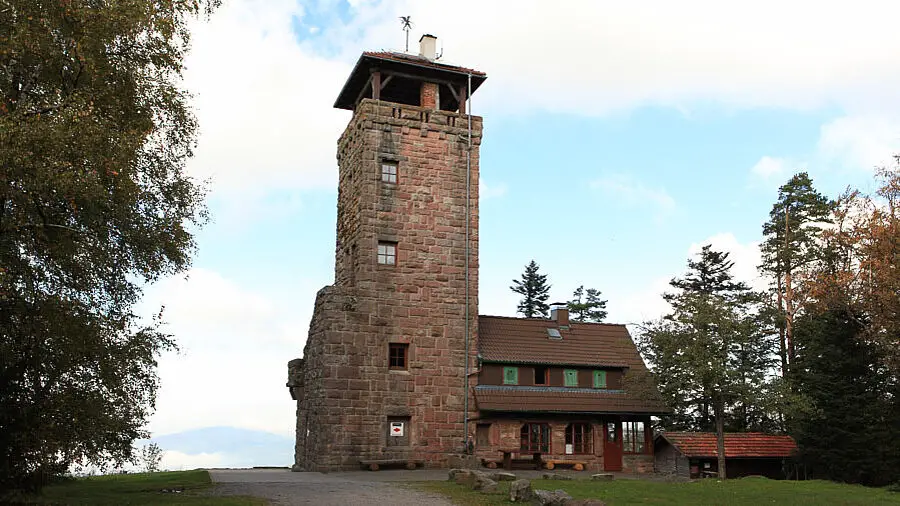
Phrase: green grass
[139,489]
[746,491]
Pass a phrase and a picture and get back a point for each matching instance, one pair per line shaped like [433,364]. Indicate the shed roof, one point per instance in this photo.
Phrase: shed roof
[525,340]
[737,445]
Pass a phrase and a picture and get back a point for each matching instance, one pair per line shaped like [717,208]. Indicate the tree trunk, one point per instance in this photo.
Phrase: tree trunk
[782,350]
[720,434]
[788,297]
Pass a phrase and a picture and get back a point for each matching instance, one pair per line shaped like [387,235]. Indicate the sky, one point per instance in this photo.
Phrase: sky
[619,137]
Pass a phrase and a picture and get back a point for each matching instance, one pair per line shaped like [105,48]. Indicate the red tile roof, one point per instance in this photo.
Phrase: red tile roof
[421,61]
[525,340]
[562,400]
[737,445]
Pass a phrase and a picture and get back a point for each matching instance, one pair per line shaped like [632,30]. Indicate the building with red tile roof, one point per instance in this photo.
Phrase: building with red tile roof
[694,454]
[557,388]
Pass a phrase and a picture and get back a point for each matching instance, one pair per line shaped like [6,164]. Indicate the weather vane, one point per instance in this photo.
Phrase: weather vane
[407,24]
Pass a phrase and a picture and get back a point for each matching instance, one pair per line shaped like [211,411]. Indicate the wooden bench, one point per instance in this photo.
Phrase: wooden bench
[374,465]
[576,464]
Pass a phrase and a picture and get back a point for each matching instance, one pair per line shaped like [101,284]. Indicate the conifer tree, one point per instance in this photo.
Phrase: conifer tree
[587,306]
[534,290]
[701,351]
[791,243]
[849,432]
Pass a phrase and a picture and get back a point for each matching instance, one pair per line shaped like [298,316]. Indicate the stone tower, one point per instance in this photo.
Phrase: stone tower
[383,373]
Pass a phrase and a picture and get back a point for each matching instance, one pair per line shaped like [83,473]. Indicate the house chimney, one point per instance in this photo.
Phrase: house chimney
[427,46]
[559,311]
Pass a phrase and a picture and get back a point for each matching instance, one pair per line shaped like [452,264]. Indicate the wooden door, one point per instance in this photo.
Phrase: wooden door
[612,446]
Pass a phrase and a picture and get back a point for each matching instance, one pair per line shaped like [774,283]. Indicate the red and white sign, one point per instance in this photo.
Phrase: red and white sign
[397,429]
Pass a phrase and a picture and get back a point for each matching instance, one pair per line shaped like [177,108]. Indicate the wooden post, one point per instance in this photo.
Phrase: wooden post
[462,99]
[376,85]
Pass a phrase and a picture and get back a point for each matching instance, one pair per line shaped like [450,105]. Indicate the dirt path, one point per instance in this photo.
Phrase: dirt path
[287,488]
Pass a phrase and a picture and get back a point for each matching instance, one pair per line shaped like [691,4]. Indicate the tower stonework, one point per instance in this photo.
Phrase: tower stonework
[387,343]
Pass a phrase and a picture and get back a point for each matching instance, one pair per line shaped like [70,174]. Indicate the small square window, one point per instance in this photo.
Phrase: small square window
[571,377]
[389,172]
[599,379]
[387,253]
[510,375]
[398,354]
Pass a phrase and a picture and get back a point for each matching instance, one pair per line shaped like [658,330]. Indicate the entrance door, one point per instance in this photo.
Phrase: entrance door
[612,447]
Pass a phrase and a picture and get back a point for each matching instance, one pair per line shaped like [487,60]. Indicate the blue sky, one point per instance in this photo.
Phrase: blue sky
[618,139]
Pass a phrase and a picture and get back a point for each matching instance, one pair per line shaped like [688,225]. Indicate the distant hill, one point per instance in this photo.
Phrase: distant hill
[238,447]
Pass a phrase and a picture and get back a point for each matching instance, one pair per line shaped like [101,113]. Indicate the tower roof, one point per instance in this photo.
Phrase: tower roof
[407,71]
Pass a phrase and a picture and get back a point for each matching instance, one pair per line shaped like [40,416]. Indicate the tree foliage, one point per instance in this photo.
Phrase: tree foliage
[708,357]
[534,290]
[587,306]
[850,432]
[94,202]
[791,243]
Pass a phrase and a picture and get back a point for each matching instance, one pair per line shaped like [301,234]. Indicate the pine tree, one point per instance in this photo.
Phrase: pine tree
[591,309]
[704,353]
[791,242]
[850,431]
[534,290]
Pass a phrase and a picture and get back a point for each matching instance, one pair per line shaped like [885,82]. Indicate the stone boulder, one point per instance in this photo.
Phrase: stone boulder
[484,485]
[556,476]
[502,476]
[585,502]
[455,472]
[551,498]
[602,477]
[520,491]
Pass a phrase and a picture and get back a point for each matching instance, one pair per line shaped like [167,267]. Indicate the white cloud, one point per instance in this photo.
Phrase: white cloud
[236,343]
[643,303]
[595,57]
[768,167]
[860,142]
[631,192]
[746,257]
[264,98]
[177,461]
[264,104]
[487,192]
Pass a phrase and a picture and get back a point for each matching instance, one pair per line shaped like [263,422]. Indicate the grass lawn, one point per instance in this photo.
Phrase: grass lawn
[746,491]
[138,489]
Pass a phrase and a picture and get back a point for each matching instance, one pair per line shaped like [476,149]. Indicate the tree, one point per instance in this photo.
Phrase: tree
[850,431]
[861,273]
[699,352]
[591,309]
[534,290]
[94,203]
[151,457]
[791,243]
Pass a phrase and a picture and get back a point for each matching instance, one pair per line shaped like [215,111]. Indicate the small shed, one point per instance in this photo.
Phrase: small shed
[693,454]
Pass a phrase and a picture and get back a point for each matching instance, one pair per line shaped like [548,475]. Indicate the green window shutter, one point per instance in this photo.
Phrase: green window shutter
[599,379]
[510,375]
[571,376]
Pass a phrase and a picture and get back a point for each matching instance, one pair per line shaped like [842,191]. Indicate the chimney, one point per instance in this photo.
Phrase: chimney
[559,312]
[427,46]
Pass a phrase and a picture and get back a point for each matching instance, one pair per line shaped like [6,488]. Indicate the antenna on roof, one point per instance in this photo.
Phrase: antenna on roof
[407,24]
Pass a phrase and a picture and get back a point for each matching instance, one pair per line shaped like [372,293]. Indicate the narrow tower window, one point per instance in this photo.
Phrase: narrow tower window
[398,355]
[387,253]
[389,172]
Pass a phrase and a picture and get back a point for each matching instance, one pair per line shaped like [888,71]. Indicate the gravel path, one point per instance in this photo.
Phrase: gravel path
[338,489]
